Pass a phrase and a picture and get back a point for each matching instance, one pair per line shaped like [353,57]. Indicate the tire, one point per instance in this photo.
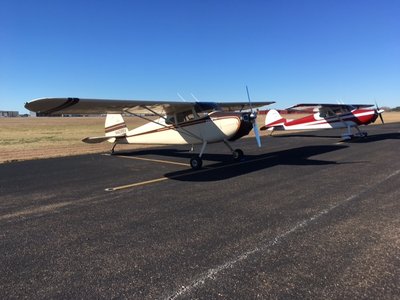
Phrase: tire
[237,154]
[196,163]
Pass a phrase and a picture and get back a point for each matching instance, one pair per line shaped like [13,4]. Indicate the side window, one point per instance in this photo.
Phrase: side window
[185,116]
[202,114]
[325,113]
[170,120]
[330,113]
[189,117]
[180,117]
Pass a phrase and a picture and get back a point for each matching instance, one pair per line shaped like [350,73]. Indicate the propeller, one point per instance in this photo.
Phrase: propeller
[379,111]
[253,119]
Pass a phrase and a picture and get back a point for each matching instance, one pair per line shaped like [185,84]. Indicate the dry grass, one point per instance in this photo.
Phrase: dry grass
[28,138]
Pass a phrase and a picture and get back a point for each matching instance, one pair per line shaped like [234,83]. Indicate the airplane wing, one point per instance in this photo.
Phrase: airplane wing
[334,107]
[52,106]
[235,106]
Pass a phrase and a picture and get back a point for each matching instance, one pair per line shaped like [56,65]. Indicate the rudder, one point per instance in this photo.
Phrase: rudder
[272,119]
[115,125]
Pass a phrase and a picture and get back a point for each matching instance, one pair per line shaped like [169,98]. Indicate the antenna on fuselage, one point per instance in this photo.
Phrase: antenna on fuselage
[197,100]
[179,95]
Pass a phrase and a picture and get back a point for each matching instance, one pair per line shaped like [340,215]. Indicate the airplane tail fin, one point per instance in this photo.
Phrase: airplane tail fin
[114,128]
[115,125]
[273,119]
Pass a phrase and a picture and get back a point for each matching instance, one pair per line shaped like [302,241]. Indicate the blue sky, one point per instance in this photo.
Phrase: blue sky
[289,51]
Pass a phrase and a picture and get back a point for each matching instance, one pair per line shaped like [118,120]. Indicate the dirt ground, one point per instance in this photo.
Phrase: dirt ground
[33,138]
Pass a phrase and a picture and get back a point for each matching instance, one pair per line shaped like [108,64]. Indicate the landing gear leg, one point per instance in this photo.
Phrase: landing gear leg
[349,130]
[348,135]
[196,162]
[272,131]
[237,153]
[112,150]
[361,133]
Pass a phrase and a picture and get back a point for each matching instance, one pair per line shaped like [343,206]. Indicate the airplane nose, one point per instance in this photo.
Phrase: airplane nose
[250,120]
[245,118]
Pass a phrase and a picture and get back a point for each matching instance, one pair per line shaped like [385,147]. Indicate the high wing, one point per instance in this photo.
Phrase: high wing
[52,106]
[333,107]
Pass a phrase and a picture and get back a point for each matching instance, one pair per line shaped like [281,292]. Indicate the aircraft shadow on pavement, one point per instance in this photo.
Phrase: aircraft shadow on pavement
[290,135]
[226,168]
[376,138]
[367,139]
[178,153]
[252,163]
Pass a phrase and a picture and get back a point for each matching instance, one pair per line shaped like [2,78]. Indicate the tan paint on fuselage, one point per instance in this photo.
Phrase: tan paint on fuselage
[213,129]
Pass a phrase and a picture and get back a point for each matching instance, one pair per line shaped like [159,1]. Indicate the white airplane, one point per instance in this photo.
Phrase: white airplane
[177,123]
[326,116]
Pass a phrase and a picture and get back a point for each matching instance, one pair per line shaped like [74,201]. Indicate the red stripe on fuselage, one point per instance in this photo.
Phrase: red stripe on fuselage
[275,123]
[351,116]
[115,127]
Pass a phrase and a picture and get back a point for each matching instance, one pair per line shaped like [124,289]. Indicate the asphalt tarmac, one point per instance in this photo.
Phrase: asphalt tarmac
[305,216]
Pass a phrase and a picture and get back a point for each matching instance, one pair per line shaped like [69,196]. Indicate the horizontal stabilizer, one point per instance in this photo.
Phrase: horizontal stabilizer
[273,128]
[100,139]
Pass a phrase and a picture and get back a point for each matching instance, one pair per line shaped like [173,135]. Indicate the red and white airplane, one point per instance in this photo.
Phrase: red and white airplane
[326,116]
[175,123]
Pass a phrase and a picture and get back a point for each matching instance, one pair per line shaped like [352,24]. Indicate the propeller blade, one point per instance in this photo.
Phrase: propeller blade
[253,117]
[379,111]
[257,134]
[248,97]
[380,116]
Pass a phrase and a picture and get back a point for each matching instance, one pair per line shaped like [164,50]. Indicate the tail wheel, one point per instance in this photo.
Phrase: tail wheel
[196,163]
[237,154]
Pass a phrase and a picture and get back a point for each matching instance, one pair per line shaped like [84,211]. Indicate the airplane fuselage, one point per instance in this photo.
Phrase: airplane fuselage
[354,118]
[215,127]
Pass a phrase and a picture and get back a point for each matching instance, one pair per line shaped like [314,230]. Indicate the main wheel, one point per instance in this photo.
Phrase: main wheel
[196,163]
[237,154]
